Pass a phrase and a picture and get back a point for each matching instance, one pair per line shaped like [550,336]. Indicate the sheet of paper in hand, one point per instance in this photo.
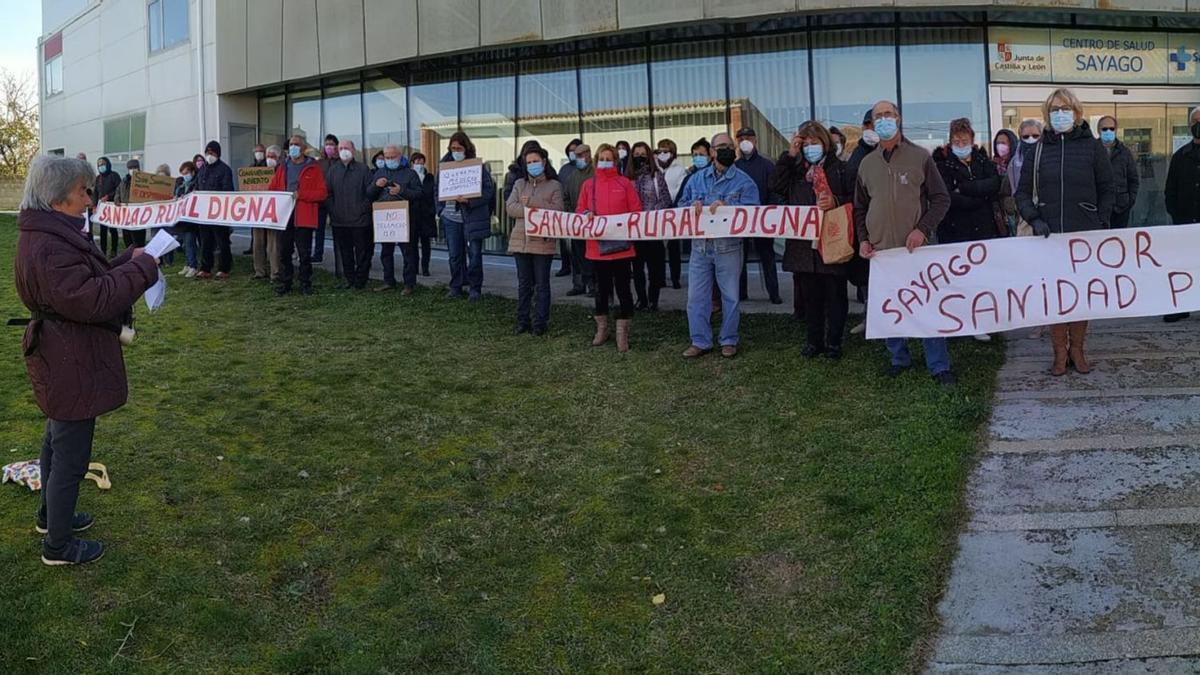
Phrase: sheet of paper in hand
[254,178]
[156,294]
[161,244]
[460,179]
[391,222]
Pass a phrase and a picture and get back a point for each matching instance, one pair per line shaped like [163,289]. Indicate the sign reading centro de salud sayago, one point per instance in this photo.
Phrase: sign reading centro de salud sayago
[1003,284]
[1082,55]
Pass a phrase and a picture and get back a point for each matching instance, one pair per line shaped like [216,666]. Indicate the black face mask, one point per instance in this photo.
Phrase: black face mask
[726,156]
[640,163]
[1196,130]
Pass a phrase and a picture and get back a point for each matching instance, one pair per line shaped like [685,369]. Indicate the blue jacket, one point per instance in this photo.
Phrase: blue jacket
[734,187]
[477,213]
[759,169]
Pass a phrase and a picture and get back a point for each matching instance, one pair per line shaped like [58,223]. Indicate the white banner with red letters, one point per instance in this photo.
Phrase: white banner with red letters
[270,210]
[784,222]
[1002,284]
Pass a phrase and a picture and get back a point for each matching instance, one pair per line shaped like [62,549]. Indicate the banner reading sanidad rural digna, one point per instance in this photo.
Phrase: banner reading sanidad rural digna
[784,222]
[1002,284]
[269,210]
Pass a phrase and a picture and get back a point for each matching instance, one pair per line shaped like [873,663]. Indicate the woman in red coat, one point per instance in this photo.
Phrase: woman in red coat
[78,301]
[608,193]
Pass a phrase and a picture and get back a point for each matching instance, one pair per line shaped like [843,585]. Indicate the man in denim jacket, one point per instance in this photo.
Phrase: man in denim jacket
[719,184]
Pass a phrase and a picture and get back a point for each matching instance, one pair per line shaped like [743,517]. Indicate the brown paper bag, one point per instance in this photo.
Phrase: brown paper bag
[836,244]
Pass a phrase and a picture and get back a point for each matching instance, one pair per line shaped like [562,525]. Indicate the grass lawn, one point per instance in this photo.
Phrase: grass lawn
[479,502]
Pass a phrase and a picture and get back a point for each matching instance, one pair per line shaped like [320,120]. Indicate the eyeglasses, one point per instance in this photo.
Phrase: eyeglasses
[1108,128]
[1062,108]
[1033,136]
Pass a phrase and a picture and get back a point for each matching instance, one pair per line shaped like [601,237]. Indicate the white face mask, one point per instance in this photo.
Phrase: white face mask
[747,147]
[258,156]
[870,137]
[839,149]
[622,153]
[210,159]
[272,162]
[664,158]
[345,155]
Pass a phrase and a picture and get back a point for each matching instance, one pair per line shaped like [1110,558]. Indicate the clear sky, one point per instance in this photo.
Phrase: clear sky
[20,26]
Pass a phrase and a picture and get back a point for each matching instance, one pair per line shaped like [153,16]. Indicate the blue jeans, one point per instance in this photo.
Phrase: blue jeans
[719,259]
[533,278]
[456,249]
[937,354]
[191,250]
[387,259]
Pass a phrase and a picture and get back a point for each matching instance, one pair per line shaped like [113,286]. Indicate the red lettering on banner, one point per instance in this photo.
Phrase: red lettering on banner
[961,269]
[1020,302]
[1121,249]
[633,224]
[920,283]
[685,222]
[1075,259]
[270,214]
[1045,299]
[977,250]
[1142,240]
[936,271]
[790,220]
[699,230]
[588,225]
[976,310]
[886,308]
[145,214]
[237,209]
[580,223]
[254,213]
[1121,303]
[943,312]
[164,212]
[1176,290]
[191,206]
[599,225]
[740,220]
[1097,288]
[812,223]
[669,221]
[908,303]
[764,221]
[214,208]
[650,226]
[1074,303]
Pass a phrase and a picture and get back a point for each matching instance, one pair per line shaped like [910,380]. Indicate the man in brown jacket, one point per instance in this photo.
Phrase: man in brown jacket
[899,200]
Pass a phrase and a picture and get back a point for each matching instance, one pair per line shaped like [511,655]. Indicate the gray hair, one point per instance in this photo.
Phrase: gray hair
[52,179]
[1030,123]
[163,169]
[392,146]
[273,148]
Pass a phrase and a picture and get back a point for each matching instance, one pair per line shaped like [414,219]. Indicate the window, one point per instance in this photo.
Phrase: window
[125,135]
[489,113]
[548,96]
[688,84]
[52,74]
[385,109]
[852,70]
[931,102]
[768,89]
[343,113]
[304,116]
[272,121]
[433,110]
[615,93]
[168,23]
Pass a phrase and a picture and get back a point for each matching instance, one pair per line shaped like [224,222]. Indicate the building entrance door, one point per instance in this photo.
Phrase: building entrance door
[1151,121]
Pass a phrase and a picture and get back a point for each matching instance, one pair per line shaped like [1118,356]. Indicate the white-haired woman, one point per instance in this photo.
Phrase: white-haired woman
[1074,186]
[78,301]
[264,243]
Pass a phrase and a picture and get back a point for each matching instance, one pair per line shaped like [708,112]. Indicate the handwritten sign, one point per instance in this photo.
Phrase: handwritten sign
[254,178]
[785,222]
[460,179]
[989,286]
[150,187]
[269,210]
[391,222]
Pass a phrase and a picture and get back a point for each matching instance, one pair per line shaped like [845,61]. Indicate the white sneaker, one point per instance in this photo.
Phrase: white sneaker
[183,272]
[191,272]
[983,337]
[859,329]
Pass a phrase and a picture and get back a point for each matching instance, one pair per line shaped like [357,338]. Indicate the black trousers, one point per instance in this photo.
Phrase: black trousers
[582,272]
[675,258]
[425,248]
[355,245]
[135,238]
[650,261]
[214,239]
[610,273]
[765,247]
[298,239]
[108,234]
[66,452]
[826,306]
[564,252]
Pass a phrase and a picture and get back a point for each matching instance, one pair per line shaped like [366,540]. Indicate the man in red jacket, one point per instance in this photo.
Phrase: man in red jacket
[300,175]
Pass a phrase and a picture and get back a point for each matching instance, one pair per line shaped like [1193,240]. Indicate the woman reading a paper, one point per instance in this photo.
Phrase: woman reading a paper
[78,302]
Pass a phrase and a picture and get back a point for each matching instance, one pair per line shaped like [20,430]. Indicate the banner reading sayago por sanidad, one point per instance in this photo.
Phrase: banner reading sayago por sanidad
[1003,284]
[784,222]
[269,210]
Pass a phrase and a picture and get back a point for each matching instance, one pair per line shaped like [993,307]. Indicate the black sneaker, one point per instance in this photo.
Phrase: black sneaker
[811,351]
[283,290]
[521,330]
[777,300]
[306,290]
[78,552]
[79,523]
[833,353]
[563,272]
[539,331]
[946,379]
[575,291]
[896,371]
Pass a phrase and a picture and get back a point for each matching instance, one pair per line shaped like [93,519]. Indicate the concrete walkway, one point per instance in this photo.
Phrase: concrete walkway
[1082,554]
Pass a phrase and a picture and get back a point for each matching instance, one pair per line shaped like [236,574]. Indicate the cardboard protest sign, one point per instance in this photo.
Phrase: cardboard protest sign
[269,210]
[460,179]
[786,222]
[150,187]
[391,222]
[1002,284]
[254,178]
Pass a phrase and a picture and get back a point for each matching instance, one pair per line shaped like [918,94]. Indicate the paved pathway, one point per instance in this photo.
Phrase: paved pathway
[1082,554]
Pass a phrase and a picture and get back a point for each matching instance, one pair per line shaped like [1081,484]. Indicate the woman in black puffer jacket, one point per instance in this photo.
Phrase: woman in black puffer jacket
[974,187]
[1074,194]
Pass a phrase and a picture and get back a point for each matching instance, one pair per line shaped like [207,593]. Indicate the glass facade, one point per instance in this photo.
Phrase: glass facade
[681,84]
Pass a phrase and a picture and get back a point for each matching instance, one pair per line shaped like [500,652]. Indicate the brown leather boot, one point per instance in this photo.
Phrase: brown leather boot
[1078,333]
[601,331]
[622,335]
[1059,338]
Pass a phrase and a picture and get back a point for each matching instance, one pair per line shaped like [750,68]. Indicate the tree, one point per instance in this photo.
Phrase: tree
[18,123]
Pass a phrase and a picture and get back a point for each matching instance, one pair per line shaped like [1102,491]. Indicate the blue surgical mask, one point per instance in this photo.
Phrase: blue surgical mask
[604,164]
[580,163]
[535,169]
[1062,120]
[419,168]
[1109,136]
[814,152]
[392,164]
[187,178]
[571,155]
[458,156]
[103,168]
[293,151]
[887,128]
[700,161]
[961,151]
[380,163]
